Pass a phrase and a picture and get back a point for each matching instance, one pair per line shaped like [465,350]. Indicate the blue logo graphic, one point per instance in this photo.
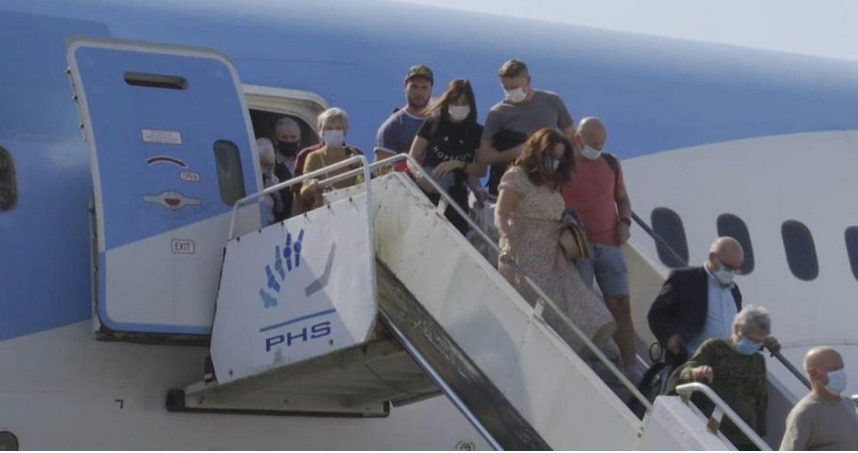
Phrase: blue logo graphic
[291,255]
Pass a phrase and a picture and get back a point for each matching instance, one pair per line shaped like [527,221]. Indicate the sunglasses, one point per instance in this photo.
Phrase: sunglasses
[727,266]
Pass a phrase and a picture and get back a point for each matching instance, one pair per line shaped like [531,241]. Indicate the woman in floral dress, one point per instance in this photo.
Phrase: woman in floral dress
[528,218]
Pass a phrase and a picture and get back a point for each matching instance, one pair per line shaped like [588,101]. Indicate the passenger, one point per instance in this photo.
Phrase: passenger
[447,144]
[528,218]
[824,419]
[735,371]
[287,141]
[699,303]
[334,126]
[300,161]
[598,194]
[396,134]
[266,163]
[524,111]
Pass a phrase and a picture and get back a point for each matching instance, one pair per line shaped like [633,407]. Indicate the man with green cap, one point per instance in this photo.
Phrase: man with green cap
[397,133]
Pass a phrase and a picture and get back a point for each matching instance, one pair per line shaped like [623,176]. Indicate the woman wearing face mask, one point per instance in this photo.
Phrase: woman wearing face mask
[528,218]
[446,145]
[736,371]
[333,125]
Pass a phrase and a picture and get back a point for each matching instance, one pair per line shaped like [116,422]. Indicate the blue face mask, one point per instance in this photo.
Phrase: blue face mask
[836,382]
[748,347]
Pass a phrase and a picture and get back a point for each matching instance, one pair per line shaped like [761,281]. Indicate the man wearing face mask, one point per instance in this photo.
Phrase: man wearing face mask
[699,303]
[287,141]
[597,192]
[524,110]
[824,419]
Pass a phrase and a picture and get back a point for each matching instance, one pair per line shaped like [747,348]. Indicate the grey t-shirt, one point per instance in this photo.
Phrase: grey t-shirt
[397,133]
[815,424]
[546,109]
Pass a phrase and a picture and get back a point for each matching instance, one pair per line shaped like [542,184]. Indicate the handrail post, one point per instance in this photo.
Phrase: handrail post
[299,179]
[686,390]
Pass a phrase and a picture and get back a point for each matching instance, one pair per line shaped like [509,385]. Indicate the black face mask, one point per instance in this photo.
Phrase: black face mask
[287,149]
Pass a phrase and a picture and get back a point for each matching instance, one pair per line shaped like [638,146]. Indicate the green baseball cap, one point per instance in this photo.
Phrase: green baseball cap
[420,71]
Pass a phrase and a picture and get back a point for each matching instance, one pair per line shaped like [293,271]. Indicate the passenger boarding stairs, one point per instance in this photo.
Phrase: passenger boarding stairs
[375,299]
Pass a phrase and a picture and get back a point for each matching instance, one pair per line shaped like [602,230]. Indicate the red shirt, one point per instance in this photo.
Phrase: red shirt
[592,192]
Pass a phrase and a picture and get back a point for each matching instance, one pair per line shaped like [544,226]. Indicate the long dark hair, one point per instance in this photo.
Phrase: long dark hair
[438,110]
[537,157]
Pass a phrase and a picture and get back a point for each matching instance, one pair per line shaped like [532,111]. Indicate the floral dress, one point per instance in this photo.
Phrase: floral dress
[533,243]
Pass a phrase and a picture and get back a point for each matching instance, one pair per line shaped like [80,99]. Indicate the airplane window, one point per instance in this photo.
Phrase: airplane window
[668,225]
[229,171]
[734,227]
[800,250]
[852,248]
[8,181]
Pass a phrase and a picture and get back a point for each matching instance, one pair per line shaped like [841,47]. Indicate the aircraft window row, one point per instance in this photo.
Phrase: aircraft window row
[800,250]
[852,248]
[797,239]
[229,171]
[8,181]
[734,227]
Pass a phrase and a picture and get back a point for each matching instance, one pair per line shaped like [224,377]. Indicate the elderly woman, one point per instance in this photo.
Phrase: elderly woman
[735,370]
[529,219]
[334,126]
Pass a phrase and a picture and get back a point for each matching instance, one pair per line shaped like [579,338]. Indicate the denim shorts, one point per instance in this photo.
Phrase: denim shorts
[607,265]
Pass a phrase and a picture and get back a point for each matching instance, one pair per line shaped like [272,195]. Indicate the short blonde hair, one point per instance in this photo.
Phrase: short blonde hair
[331,115]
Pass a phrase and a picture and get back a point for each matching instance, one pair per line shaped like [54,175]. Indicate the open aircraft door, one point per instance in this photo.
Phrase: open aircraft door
[171,148]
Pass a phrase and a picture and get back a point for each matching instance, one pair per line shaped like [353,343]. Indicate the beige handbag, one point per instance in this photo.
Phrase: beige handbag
[573,239]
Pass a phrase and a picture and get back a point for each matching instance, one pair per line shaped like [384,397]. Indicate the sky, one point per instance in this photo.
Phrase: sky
[824,28]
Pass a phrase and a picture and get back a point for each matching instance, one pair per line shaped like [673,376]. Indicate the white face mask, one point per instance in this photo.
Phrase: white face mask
[590,153]
[334,138]
[836,382]
[459,112]
[515,96]
[724,276]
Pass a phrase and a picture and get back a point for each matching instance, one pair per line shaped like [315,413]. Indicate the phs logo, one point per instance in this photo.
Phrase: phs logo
[286,260]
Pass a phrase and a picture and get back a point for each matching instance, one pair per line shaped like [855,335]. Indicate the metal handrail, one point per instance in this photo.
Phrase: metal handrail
[721,409]
[286,184]
[543,298]
[789,366]
[648,230]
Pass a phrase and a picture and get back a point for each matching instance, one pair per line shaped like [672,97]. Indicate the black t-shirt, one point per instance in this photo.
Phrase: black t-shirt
[451,141]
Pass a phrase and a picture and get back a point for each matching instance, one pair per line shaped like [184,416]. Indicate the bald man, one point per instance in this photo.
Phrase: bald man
[597,192]
[824,419]
[699,303]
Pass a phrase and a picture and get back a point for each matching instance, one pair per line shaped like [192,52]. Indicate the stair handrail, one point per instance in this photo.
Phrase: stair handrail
[365,169]
[721,409]
[657,238]
[792,369]
[543,297]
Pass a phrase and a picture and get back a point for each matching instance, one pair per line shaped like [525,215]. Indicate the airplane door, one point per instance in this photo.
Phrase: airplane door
[171,149]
